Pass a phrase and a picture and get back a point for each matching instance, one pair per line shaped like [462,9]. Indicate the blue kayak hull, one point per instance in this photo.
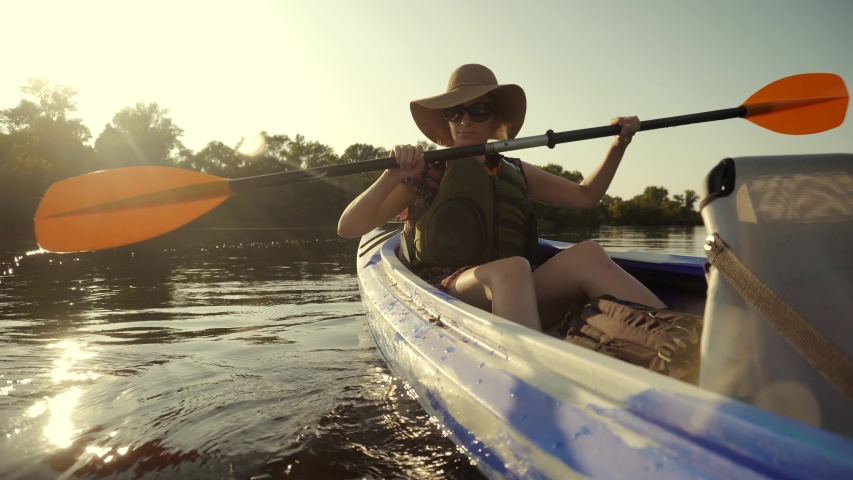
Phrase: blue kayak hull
[524,404]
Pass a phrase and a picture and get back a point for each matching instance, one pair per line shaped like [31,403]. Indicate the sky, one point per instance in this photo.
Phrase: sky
[344,72]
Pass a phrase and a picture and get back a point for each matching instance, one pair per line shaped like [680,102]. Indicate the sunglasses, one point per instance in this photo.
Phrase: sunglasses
[479,112]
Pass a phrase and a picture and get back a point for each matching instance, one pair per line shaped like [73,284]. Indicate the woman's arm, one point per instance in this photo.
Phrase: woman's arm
[378,204]
[384,199]
[554,190]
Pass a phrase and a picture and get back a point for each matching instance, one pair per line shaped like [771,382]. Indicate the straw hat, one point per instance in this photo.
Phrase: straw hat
[467,83]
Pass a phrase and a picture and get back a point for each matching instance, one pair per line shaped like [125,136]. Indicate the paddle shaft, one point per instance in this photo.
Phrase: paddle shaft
[549,139]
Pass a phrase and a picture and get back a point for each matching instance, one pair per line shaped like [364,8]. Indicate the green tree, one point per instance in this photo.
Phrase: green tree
[216,158]
[690,199]
[274,157]
[656,194]
[140,135]
[361,152]
[653,207]
[46,110]
[41,144]
[304,154]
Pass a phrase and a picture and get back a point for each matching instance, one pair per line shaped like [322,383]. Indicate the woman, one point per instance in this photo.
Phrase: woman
[474,110]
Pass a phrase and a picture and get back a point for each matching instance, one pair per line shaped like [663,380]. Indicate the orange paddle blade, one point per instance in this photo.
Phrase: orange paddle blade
[800,104]
[118,207]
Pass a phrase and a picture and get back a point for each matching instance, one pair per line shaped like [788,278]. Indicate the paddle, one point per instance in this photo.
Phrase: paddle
[118,207]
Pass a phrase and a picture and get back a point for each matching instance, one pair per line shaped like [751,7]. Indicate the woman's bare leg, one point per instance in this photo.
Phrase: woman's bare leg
[504,287]
[584,269]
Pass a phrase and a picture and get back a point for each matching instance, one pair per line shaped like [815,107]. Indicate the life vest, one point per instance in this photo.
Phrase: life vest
[478,215]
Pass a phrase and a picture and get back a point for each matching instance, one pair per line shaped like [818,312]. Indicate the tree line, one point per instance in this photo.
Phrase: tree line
[41,142]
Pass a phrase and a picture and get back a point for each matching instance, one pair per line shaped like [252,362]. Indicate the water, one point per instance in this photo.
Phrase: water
[676,240]
[214,355]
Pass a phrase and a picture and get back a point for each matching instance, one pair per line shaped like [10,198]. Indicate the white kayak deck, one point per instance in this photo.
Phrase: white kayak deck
[523,404]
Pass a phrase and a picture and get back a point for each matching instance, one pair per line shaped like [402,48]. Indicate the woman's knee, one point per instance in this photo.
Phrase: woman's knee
[514,265]
[591,251]
[511,268]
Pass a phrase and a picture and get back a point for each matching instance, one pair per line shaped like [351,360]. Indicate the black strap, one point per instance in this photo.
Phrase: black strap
[818,350]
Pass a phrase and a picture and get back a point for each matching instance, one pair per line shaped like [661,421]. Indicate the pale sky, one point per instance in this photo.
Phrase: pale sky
[341,72]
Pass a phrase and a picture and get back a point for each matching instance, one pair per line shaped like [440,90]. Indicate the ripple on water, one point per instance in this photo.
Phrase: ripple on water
[204,362]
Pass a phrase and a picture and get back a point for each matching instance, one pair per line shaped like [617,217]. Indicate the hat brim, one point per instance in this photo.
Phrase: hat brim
[511,102]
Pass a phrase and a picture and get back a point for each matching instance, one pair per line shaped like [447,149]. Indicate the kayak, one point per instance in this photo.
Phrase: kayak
[526,404]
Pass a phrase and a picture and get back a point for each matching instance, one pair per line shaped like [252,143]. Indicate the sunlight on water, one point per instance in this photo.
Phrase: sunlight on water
[98,451]
[60,430]
[71,354]
[37,409]
[215,359]
[6,390]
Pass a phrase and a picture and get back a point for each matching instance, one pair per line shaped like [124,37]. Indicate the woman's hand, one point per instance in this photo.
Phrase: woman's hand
[386,197]
[409,158]
[630,126]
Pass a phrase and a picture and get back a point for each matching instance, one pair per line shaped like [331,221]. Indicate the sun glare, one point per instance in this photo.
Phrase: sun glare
[60,430]
[72,353]
[252,145]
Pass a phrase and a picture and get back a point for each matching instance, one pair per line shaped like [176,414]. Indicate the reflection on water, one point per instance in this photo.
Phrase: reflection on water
[674,240]
[60,430]
[203,358]
[221,355]
[71,354]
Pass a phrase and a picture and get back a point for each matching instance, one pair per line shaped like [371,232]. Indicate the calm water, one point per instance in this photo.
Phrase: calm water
[214,355]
